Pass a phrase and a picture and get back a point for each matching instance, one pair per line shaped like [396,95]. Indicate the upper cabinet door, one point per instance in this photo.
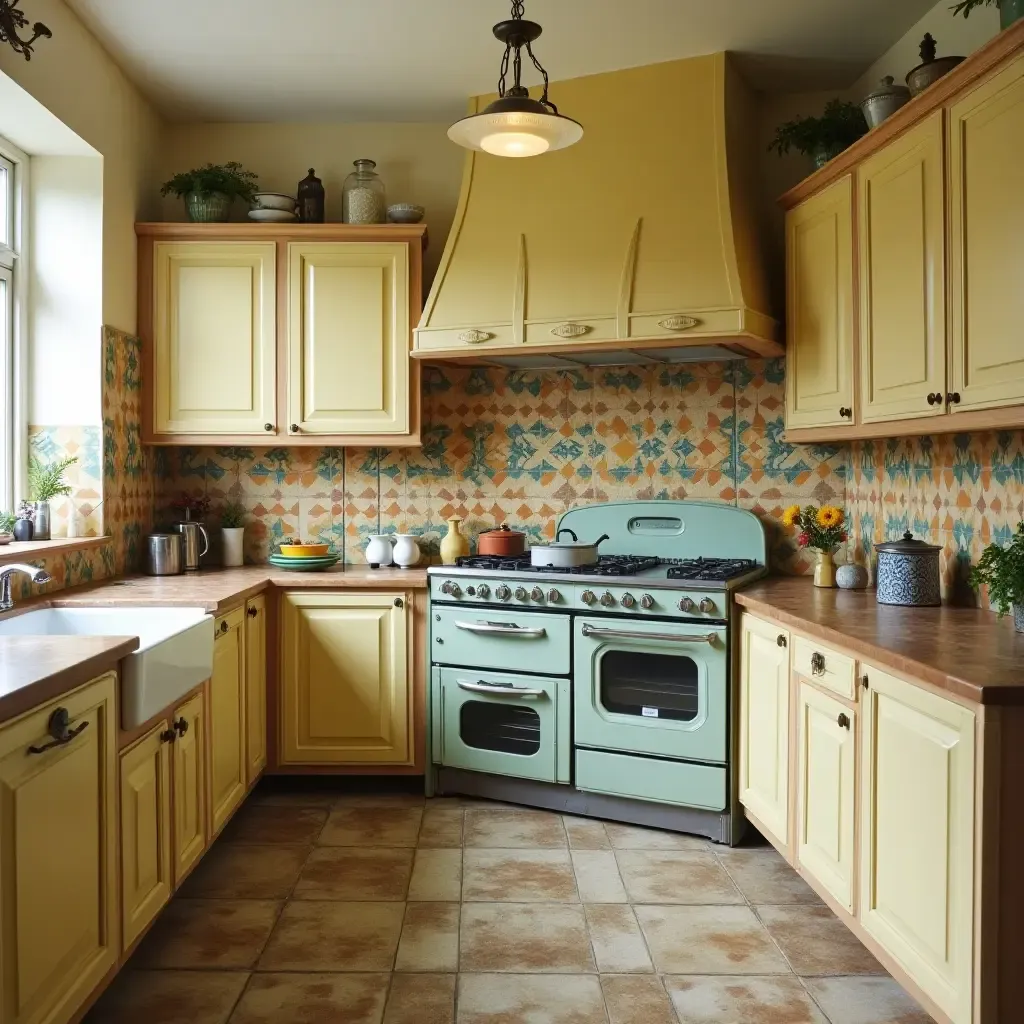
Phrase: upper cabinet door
[986,169]
[819,304]
[214,337]
[348,338]
[902,276]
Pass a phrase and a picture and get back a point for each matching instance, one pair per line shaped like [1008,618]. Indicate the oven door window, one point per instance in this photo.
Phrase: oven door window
[645,685]
[505,728]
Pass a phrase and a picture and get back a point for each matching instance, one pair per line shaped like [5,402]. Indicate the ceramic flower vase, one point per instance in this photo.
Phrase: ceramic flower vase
[825,570]
[454,544]
[407,551]
[379,551]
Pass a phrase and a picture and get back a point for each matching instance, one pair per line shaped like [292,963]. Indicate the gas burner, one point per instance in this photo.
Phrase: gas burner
[711,569]
[606,565]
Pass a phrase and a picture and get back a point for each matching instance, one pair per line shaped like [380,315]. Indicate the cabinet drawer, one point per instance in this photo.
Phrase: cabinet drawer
[824,666]
[512,641]
[663,782]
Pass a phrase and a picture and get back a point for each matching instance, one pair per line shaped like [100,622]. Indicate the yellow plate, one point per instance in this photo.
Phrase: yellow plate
[304,550]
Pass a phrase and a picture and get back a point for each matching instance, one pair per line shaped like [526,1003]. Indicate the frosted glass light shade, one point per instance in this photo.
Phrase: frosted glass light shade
[517,128]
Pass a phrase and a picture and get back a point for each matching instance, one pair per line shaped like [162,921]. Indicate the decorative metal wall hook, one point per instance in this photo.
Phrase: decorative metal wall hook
[11,20]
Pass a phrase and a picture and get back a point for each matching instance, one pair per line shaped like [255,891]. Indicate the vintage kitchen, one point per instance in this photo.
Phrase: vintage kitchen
[554,561]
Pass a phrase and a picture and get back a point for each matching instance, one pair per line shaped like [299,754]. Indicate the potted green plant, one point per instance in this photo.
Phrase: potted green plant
[822,138]
[209,191]
[232,525]
[7,521]
[46,482]
[1002,571]
[1009,10]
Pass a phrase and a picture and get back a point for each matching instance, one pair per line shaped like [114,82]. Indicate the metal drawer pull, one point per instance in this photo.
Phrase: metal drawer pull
[510,629]
[501,689]
[625,634]
[817,664]
[59,727]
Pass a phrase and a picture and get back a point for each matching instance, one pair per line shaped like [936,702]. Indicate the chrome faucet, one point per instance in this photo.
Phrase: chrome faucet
[39,576]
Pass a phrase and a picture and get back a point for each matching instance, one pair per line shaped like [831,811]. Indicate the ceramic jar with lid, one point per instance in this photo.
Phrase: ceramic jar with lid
[884,101]
[908,572]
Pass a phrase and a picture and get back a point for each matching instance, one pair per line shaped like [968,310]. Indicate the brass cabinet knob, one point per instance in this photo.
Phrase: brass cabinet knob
[294,428]
[953,398]
[399,603]
[843,720]
[846,412]
[168,736]
[268,427]
[251,612]
[181,726]
[224,627]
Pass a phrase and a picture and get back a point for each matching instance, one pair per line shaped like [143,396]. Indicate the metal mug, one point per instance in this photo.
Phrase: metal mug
[191,551]
[163,554]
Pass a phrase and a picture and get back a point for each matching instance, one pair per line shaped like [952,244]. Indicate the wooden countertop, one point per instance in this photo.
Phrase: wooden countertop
[967,651]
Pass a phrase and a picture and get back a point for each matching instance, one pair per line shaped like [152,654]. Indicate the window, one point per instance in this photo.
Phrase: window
[12,165]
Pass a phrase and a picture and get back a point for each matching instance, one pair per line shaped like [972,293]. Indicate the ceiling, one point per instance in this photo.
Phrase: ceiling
[418,60]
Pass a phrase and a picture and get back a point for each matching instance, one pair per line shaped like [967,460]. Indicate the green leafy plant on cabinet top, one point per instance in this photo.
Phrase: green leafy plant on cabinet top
[839,127]
[230,179]
[46,480]
[1002,571]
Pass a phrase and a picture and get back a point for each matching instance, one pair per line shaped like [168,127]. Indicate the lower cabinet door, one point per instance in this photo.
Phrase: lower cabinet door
[917,860]
[344,679]
[826,789]
[228,725]
[255,687]
[59,929]
[146,875]
[189,786]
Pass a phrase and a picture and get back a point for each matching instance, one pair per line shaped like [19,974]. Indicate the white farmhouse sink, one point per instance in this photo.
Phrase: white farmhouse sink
[175,649]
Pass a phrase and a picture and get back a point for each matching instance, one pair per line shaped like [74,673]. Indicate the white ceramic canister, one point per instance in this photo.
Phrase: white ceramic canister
[233,537]
[407,551]
[379,551]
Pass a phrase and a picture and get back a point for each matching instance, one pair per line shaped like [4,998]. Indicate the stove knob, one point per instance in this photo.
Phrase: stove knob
[483,591]
[554,596]
[520,593]
[647,601]
[451,588]
[607,599]
[587,597]
[628,600]
[502,593]
[707,605]
[686,604]
[537,594]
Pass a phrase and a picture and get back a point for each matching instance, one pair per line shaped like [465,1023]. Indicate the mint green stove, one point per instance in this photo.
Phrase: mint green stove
[604,689]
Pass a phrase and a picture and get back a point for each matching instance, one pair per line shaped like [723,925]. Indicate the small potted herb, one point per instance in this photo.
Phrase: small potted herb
[46,482]
[822,138]
[1009,10]
[232,525]
[821,529]
[7,521]
[1002,571]
[209,191]
[23,522]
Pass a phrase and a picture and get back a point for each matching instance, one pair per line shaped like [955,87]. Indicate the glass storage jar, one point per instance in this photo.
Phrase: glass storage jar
[362,199]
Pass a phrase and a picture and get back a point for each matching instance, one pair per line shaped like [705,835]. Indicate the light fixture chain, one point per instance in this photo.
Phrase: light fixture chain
[540,67]
[518,9]
[504,70]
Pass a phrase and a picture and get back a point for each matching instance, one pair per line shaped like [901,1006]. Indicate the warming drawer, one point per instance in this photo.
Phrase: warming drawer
[512,641]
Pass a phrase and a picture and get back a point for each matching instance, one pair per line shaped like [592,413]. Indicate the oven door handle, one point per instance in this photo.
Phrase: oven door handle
[499,627]
[625,634]
[498,690]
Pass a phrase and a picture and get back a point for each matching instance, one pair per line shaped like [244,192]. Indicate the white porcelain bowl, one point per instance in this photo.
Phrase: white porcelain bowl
[405,213]
[273,201]
[271,216]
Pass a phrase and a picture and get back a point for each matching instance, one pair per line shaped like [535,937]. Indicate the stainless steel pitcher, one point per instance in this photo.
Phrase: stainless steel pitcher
[190,535]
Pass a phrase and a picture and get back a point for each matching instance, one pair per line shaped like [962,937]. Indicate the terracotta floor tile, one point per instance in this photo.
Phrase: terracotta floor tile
[509,829]
[709,940]
[670,876]
[519,876]
[372,826]
[816,942]
[441,828]
[436,875]
[779,1000]
[430,938]
[169,997]
[524,937]
[379,800]
[324,998]
[637,999]
[269,823]
[297,797]
[764,877]
[597,876]
[343,873]
[208,933]
[530,999]
[334,936]
[246,872]
[632,837]
[421,999]
[866,1001]
[585,833]
[615,935]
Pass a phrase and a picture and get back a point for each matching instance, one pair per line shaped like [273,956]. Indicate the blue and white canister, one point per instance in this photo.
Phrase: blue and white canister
[908,573]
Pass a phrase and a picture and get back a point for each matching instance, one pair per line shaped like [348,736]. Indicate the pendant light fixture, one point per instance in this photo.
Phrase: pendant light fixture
[514,124]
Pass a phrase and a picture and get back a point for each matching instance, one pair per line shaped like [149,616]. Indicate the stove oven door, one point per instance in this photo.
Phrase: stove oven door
[651,688]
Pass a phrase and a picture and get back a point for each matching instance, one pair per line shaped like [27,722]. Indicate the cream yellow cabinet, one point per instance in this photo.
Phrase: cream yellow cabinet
[344,685]
[917,847]
[228,723]
[189,776]
[826,791]
[213,338]
[986,153]
[255,687]
[764,724]
[59,929]
[902,250]
[147,874]
[820,309]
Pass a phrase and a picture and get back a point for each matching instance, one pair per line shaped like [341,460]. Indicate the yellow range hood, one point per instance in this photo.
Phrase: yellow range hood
[637,244]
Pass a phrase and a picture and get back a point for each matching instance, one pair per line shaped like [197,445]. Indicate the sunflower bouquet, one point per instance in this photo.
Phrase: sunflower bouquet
[820,528]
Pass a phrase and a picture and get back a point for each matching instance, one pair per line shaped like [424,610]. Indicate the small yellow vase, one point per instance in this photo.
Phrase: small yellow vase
[825,570]
[454,543]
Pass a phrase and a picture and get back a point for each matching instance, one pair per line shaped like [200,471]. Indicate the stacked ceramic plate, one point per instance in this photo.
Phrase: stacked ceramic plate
[304,558]
[272,208]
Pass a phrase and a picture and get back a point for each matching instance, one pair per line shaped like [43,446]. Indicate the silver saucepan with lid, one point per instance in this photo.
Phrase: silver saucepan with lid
[564,554]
